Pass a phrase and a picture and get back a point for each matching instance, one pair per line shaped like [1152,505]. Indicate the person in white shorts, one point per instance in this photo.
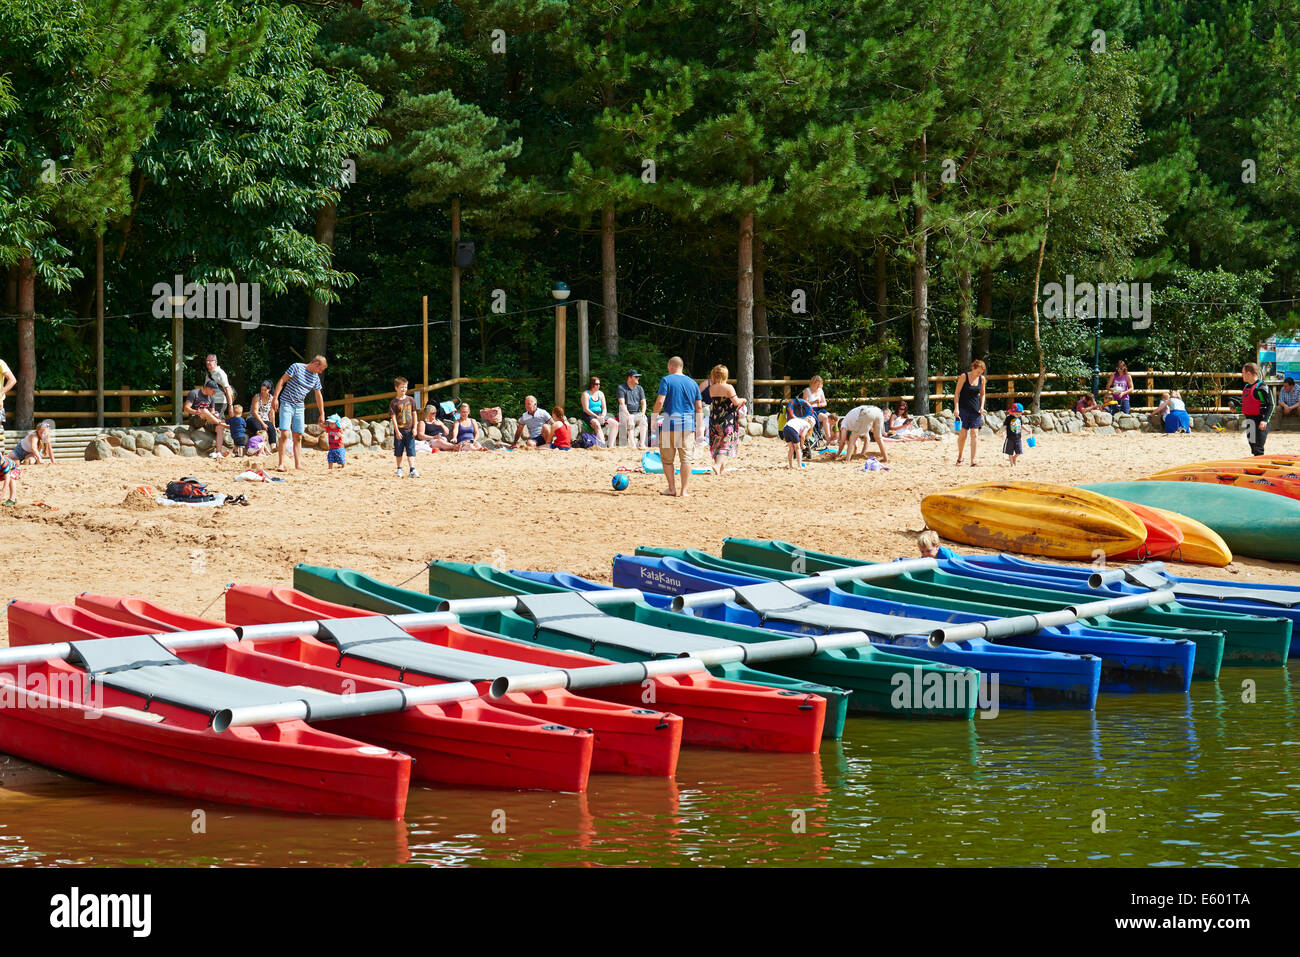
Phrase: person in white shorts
[863,422]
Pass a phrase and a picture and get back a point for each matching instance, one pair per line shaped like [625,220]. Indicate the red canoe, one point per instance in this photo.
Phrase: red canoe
[718,713]
[55,714]
[627,740]
[1163,536]
[463,743]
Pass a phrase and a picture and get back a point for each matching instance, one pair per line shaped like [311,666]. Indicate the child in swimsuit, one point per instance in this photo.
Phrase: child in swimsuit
[560,437]
[1013,446]
[337,454]
[9,472]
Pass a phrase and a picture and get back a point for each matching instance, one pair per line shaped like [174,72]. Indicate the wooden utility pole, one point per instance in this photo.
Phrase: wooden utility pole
[455,296]
[424,382]
[178,357]
[584,355]
[560,322]
[99,329]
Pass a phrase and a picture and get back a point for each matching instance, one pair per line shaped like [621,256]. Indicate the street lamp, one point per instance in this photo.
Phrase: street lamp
[1096,356]
[561,293]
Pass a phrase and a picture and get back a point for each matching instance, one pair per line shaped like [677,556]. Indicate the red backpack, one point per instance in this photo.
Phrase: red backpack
[188,490]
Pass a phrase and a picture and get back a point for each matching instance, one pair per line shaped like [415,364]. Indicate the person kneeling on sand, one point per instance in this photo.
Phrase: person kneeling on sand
[865,422]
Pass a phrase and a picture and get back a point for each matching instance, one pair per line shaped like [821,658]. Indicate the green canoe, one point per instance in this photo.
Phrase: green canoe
[1248,640]
[1209,644]
[1253,522]
[869,673]
[347,587]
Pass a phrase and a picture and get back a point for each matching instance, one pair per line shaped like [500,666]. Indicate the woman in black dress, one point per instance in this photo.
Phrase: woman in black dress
[970,408]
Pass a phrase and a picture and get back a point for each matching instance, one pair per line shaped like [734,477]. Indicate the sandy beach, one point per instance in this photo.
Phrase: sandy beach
[521,509]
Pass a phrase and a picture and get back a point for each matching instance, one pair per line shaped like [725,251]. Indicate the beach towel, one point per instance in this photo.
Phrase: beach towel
[256,475]
[912,435]
[215,503]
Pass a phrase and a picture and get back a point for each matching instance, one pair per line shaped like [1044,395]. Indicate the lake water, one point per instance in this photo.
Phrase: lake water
[1147,780]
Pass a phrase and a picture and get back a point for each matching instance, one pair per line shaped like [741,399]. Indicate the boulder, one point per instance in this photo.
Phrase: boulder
[1102,418]
[162,451]
[204,441]
[1105,430]
[985,430]
[489,443]
[1126,422]
[121,453]
[189,452]
[314,430]
[493,433]
[754,428]
[366,438]
[114,440]
[1047,422]
[173,444]
[98,450]
[185,438]
[350,438]
[144,440]
[769,427]
[387,444]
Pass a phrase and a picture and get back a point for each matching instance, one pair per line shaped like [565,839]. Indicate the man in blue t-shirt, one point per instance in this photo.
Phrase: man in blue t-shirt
[681,404]
[287,404]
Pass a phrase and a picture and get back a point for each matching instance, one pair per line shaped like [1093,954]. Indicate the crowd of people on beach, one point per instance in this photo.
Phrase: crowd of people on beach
[685,415]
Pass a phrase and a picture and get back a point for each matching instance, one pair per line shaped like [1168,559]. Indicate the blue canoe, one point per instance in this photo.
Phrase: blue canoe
[1257,599]
[1027,678]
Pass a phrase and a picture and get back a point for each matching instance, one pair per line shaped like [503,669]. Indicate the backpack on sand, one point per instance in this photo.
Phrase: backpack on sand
[188,490]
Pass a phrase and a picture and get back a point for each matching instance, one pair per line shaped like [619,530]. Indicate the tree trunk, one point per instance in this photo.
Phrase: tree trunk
[745,303]
[318,313]
[1033,303]
[985,310]
[25,405]
[963,320]
[920,301]
[882,304]
[609,281]
[762,345]
[11,291]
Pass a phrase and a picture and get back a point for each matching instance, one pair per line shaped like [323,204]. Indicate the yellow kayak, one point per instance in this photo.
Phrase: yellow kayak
[1201,544]
[1034,518]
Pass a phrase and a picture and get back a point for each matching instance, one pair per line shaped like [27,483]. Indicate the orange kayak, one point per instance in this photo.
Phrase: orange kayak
[1263,480]
[1163,535]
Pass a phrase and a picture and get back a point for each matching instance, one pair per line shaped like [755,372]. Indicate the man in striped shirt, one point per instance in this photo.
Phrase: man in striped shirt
[287,405]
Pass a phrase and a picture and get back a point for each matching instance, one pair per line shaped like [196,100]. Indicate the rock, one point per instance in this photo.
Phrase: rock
[162,451]
[173,444]
[189,452]
[121,453]
[985,430]
[754,428]
[1102,418]
[99,450]
[204,441]
[1047,422]
[949,415]
[345,423]
[144,440]
[1105,430]
[314,430]
[1126,422]
[769,427]
[114,440]
[509,427]
[186,439]
[1198,423]
[494,433]
[366,438]
[489,442]
[387,444]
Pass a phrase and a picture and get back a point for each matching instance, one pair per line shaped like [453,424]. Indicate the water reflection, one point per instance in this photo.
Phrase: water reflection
[1157,780]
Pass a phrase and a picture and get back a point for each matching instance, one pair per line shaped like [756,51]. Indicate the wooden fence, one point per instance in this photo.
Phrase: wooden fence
[1002,388]
[1016,387]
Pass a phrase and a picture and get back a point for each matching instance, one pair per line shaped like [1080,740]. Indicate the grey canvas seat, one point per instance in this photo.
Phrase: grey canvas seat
[568,613]
[139,665]
[774,601]
[1156,581]
[378,640]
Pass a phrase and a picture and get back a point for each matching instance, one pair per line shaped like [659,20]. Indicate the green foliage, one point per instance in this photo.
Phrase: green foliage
[1208,321]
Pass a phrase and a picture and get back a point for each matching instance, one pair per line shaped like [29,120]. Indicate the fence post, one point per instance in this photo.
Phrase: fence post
[348,405]
[1218,394]
[785,389]
[1151,386]
[1011,388]
[126,409]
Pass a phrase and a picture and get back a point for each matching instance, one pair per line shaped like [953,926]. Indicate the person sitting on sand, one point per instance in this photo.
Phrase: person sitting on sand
[1087,403]
[898,420]
[259,420]
[465,431]
[9,472]
[532,424]
[238,429]
[432,430]
[559,430]
[35,447]
[928,544]
[862,422]
[1172,413]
